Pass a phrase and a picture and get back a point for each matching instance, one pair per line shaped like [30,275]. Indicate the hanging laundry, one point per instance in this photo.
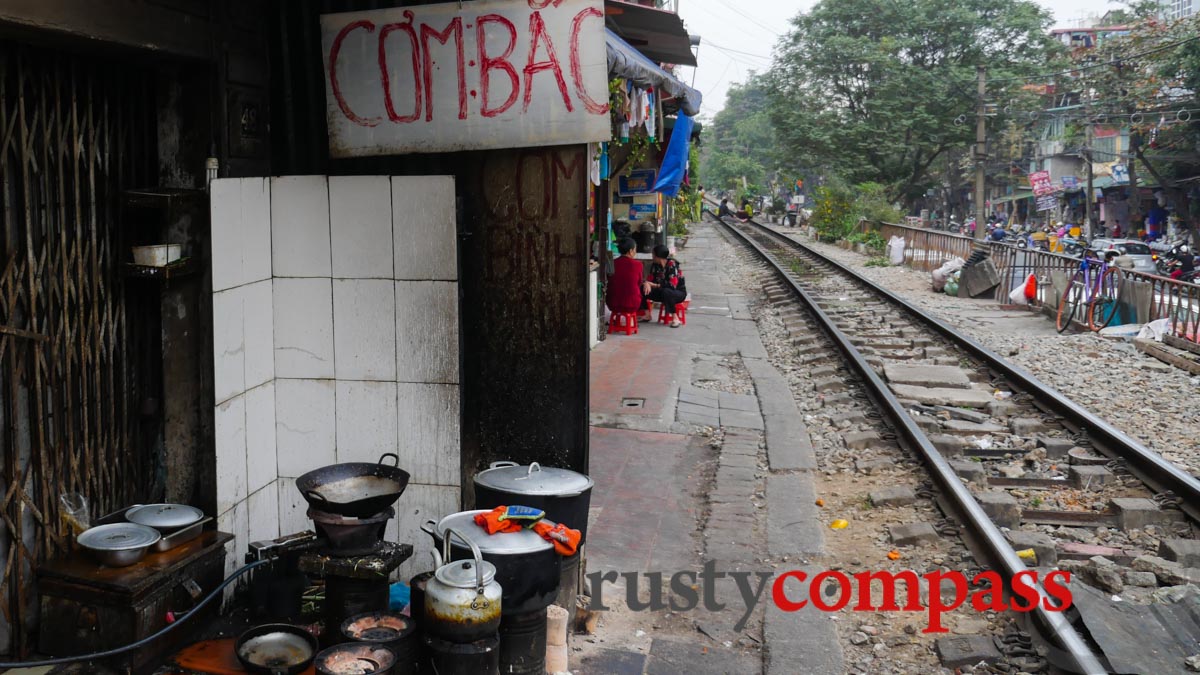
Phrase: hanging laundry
[651,117]
[593,157]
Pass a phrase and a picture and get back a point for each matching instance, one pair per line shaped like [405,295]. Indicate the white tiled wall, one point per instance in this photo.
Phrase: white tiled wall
[335,340]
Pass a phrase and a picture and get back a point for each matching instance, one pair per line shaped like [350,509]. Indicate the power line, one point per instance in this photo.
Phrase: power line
[747,17]
[737,51]
[1111,62]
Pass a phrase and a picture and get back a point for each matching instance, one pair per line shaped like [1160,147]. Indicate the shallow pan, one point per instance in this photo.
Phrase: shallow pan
[354,489]
[276,649]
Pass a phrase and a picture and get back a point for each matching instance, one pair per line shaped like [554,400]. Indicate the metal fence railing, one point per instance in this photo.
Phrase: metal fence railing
[1151,297]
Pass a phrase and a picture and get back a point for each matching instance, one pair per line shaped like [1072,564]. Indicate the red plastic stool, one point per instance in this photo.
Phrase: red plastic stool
[626,321]
[680,309]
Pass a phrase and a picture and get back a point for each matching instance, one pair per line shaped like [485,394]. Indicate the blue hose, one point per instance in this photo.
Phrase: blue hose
[144,641]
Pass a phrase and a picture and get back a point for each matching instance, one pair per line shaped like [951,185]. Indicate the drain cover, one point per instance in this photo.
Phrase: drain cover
[633,403]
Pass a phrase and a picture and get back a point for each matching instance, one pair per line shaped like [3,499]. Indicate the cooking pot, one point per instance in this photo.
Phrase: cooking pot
[119,544]
[527,566]
[462,600]
[354,489]
[563,494]
[356,658]
[386,629]
[276,649]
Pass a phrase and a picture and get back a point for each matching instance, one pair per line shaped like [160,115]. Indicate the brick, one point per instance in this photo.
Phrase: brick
[1183,551]
[1001,507]
[1136,513]
[968,470]
[1000,408]
[897,495]
[1026,426]
[830,385]
[1042,545]
[860,440]
[947,444]
[1090,475]
[911,534]
[1056,448]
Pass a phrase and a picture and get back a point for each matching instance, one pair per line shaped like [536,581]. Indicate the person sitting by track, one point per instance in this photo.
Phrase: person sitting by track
[666,283]
[723,210]
[625,284]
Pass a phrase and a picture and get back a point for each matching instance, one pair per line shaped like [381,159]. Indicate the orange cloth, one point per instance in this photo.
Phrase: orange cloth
[565,540]
[493,521]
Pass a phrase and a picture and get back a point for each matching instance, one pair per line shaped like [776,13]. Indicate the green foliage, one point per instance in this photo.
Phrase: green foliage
[688,206]
[872,240]
[874,205]
[834,215]
[868,90]
[879,261]
[740,142]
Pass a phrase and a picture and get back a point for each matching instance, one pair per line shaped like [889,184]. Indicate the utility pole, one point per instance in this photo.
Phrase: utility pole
[1087,201]
[980,152]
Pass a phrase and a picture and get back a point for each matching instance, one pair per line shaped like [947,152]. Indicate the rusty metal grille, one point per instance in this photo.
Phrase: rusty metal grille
[74,132]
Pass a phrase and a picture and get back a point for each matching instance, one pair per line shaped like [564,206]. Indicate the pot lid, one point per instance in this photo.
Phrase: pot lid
[501,543]
[463,574]
[118,537]
[164,515]
[533,479]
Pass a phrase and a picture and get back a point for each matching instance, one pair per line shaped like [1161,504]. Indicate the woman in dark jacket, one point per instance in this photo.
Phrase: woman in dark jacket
[666,283]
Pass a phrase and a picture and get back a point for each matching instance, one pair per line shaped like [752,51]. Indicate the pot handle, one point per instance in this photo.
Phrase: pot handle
[314,496]
[393,456]
[502,464]
[533,466]
[474,554]
[428,528]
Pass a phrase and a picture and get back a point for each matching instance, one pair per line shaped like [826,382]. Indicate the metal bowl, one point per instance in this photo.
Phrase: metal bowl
[119,544]
[276,649]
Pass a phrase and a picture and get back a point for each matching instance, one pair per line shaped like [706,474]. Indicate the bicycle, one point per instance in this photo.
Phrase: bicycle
[1095,287]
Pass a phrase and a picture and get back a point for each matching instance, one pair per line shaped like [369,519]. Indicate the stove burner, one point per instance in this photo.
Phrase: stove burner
[347,536]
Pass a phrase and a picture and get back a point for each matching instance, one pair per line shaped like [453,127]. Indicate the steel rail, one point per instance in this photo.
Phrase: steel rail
[1146,465]
[995,547]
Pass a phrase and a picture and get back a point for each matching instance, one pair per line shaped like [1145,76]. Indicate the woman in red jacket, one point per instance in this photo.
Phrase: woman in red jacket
[625,285]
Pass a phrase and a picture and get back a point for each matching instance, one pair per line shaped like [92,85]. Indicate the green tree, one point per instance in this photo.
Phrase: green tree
[740,141]
[873,90]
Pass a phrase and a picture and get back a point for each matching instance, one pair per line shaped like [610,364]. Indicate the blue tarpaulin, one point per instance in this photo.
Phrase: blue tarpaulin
[674,165]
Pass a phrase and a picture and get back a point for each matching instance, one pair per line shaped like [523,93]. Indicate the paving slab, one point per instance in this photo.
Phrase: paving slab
[924,375]
[793,525]
[963,398]
[610,662]
[742,419]
[805,641]
[697,657]
[961,428]
[744,402]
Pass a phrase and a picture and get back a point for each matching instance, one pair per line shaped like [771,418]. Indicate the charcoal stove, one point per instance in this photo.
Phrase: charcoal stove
[349,554]
[346,537]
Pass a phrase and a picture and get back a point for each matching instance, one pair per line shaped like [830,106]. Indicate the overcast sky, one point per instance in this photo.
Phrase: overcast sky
[737,37]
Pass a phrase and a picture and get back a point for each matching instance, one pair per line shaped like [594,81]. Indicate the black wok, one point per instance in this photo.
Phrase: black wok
[276,649]
[354,489]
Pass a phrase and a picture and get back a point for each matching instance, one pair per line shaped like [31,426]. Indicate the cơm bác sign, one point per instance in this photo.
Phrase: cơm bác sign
[484,74]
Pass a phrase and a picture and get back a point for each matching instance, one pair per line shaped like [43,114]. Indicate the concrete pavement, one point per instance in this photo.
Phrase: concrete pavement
[700,456]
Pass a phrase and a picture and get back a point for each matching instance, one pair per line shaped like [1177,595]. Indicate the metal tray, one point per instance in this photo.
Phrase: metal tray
[169,539]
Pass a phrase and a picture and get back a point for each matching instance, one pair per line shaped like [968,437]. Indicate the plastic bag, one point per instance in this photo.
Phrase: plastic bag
[1017,295]
[1155,329]
[75,512]
[895,250]
[942,274]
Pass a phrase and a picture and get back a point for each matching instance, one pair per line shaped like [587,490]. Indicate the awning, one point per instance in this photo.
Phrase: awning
[625,61]
[1023,194]
[659,34]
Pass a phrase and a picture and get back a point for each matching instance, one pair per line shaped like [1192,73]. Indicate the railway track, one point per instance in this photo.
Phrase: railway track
[986,454]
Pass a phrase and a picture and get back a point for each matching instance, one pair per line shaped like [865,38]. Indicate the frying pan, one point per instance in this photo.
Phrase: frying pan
[354,489]
[276,649]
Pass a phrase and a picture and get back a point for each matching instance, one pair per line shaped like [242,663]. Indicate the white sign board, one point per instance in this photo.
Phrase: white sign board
[1120,174]
[483,74]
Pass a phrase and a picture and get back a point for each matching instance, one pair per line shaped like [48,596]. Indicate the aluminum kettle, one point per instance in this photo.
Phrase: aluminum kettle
[462,600]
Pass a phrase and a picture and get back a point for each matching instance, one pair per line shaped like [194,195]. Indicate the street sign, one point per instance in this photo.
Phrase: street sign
[1070,182]
[1040,182]
[639,182]
[447,77]
[1120,174]
[1047,202]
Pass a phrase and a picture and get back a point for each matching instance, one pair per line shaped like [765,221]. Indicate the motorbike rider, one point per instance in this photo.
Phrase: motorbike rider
[1186,269]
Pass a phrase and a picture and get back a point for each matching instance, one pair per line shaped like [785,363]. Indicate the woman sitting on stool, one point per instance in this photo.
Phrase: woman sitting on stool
[666,284]
[625,285]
